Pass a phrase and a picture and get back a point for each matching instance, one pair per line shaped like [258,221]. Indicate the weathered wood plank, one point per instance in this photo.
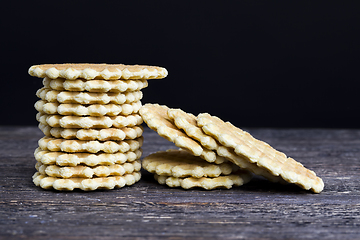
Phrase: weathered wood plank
[147,210]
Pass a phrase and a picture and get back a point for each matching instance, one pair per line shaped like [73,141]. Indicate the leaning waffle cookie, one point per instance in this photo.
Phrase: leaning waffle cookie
[240,161]
[43,106]
[260,153]
[88,172]
[227,182]
[62,84]
[89,159]
[93,134]
[180,163]
[55,120]
[59,144]
[88,97]
[97,71]
[86,184]
[156,118]
[188,123]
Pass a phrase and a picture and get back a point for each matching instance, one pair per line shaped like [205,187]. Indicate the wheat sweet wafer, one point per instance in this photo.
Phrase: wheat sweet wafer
[62,84]
[72,146]
[88,172]
[240,161]
[188,123]
[88,97]
[76,109]
[155,116]
[55,120]
[89,159]
[207,183]
[260,153]
[180,163]
[97,71]
[86,184]
[93,134]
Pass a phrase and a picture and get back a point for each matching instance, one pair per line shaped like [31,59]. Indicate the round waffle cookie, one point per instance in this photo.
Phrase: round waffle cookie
[73,146]
[207,183]
[55,120]
[86,184]
[50,95]
[62,84]
[88,159]
[156,118]
[96,110]
[187,123]
[88,172]
[180,163]
[97,71]
[260,153]
[93,134]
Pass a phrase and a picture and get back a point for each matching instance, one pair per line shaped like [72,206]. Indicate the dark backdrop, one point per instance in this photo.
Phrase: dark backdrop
[253,63]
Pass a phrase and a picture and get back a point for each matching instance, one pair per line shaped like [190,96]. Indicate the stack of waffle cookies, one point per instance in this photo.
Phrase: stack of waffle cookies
[89,114]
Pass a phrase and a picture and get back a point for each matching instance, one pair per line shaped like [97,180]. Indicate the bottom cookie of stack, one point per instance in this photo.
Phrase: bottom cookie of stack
[179,168]
[86,184]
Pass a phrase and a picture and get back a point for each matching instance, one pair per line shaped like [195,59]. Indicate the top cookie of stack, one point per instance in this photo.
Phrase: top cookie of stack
[97,71]
[90,111]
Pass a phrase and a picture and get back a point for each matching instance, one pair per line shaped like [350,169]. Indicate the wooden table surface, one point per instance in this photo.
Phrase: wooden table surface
[147,210]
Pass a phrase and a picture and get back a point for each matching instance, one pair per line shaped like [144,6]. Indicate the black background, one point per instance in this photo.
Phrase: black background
[253,63]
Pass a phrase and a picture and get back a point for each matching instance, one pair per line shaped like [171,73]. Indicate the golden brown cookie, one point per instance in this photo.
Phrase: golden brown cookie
[259,153]
[87,171]
[83,85]
[97,71]
[180,163]
[87,159]
[55,120]
[93,110]
[156,118]
[187,122]
[49,95]
[73,146]
[86,184]
[206,183]
[104,134]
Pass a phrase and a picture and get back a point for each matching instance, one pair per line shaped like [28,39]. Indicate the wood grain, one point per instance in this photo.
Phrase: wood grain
[147,210]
